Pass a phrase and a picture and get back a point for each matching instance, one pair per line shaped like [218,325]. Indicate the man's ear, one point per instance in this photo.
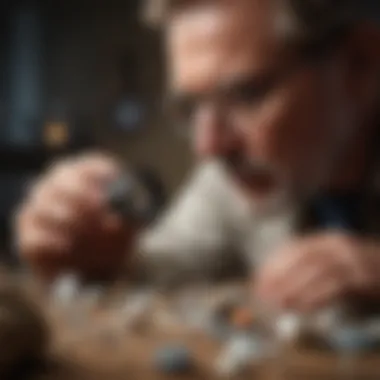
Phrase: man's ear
[362,55]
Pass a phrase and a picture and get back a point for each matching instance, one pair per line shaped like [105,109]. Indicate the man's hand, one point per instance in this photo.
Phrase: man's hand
[313,272]
[65,222]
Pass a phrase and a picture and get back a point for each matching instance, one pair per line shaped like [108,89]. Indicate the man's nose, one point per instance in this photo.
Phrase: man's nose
[212,136]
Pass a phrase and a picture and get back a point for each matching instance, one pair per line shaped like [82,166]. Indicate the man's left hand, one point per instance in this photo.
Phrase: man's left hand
[312,272]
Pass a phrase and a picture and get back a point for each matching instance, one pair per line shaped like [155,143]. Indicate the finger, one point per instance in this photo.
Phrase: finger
[365,275]
[72,215]
[349,254]
[57,216]
[294,252]
[319,248]
[70,194]
[93,168]
[31,225]
[305,287]
[98,168]
[78,182]
[72,218]
[287,293]
[97,163]
[320,294]
[71,181]
[36,242]
[284,272]
[291,255]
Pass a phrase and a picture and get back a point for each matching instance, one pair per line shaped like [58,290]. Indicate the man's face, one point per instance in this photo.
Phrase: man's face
[276,122]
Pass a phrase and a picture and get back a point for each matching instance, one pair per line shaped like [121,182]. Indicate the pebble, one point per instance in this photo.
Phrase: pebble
[218,330]
[65,289]
[240,352]
[288,327]
[91,297]
[173,359]
[137,308]
[353,340]
[194,314]
[220,325]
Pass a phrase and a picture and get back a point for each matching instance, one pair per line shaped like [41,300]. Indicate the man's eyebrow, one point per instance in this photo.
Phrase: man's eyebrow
[252,78]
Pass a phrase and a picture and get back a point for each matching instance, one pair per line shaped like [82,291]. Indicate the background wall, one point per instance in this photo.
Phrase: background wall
[69,64]
[102,53]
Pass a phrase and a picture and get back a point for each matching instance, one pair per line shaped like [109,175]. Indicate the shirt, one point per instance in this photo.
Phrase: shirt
[210,223]
[210,226]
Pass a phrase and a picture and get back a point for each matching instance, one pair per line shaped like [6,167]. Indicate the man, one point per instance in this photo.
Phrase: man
[280,100]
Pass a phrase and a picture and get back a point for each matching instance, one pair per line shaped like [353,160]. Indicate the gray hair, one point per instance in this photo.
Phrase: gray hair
[308,22]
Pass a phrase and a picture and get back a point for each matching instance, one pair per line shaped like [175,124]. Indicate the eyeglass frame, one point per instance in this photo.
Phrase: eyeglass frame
[256,90]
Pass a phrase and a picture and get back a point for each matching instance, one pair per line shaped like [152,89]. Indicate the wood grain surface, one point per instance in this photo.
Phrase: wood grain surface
[100,348]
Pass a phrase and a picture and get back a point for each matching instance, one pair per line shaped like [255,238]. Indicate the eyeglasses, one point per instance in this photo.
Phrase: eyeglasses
[236,101]
[241,98]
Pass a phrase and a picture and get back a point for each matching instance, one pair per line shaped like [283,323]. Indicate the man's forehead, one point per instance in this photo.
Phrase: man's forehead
[219,38]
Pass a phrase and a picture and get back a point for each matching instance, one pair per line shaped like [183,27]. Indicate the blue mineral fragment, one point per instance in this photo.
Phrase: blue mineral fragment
[353,340]
[173,359]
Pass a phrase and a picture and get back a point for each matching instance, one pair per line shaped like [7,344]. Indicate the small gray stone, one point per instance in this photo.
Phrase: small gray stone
[353,340]
[173,359]
[65,290]
[219,331]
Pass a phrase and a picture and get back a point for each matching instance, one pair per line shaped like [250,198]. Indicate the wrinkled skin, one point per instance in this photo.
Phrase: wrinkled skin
[307,134]
[65,224]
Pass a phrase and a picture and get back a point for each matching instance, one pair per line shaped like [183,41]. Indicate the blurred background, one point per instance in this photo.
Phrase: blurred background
[79,75]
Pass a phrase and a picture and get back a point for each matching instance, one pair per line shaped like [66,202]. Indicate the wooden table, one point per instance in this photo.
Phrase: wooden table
[89,354]
[132,359]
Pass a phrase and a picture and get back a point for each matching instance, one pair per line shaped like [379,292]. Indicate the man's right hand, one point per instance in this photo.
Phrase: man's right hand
[65,222]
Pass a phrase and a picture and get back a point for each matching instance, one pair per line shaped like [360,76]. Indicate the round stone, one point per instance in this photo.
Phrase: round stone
[173,359]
